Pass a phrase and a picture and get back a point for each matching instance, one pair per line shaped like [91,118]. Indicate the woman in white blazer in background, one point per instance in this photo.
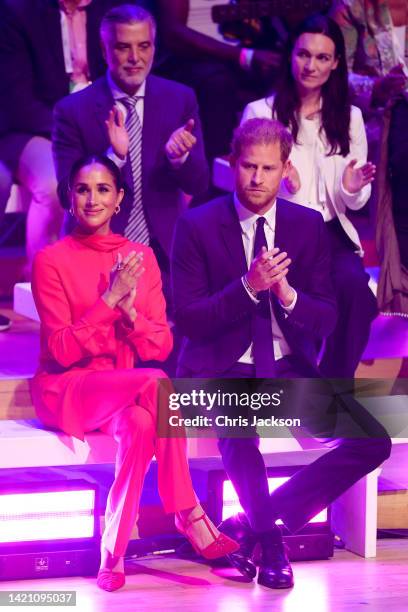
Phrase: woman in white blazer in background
[329,172]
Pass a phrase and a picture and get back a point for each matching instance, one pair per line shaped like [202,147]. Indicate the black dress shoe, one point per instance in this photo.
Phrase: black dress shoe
[275,571]
[238,528]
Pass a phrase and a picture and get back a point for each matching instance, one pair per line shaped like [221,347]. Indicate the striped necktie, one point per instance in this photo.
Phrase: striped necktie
[262,346]
[137,229]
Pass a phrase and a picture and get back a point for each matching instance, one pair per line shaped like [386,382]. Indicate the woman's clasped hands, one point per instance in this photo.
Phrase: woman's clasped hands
[123,281]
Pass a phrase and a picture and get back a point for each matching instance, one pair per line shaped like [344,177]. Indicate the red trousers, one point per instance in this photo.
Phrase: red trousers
[124,404]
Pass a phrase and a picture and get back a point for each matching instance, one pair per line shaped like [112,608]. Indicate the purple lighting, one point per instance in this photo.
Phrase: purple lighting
[231,505]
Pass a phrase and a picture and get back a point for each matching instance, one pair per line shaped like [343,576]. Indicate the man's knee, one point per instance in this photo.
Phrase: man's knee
[382,449]
[378,451]
[230,446]
[36,171]
[372,451]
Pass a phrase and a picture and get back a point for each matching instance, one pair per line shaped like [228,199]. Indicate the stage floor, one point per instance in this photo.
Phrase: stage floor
[344,583]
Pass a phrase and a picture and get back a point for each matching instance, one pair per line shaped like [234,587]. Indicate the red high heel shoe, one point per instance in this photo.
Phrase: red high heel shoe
[108,580]
[222,545]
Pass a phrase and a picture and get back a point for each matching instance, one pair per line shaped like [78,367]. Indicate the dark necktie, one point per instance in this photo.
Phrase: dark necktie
[262,347]
[136,229]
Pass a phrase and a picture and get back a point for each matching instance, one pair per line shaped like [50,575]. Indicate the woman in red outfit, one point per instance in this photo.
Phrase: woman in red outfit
[102,311]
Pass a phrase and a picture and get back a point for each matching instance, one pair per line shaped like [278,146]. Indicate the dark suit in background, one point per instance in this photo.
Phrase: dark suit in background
[32,69]
[33,78]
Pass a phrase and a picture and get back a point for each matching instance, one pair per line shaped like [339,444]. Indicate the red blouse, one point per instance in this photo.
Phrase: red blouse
[80,332]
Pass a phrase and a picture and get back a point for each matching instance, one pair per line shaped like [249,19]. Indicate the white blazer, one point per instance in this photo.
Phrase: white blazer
[331,167]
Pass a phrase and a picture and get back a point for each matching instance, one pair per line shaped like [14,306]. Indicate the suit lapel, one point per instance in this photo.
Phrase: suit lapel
[283,240]
[103,101]
[232,237]
[283,228]
[154,106]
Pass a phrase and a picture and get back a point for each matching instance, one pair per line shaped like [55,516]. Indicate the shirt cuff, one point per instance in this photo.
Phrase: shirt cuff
[177,163]
[118,161]
[288,309]
[351,199]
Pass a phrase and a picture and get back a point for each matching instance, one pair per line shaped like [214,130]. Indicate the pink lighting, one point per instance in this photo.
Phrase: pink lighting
[48,515]
[231,505]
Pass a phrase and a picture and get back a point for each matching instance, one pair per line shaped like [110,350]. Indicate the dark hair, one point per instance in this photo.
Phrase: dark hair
[261,131]
[336,108]
[127,13]
[96,159]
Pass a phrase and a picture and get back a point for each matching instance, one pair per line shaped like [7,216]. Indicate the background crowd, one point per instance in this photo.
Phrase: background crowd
[50,49]
[267,282]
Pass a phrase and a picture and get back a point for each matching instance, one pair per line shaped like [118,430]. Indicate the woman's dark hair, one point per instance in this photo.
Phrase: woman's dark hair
[336,109]
[96,159]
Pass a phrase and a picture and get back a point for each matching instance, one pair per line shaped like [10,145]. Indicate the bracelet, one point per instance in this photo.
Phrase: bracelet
[245,58]
[248,287]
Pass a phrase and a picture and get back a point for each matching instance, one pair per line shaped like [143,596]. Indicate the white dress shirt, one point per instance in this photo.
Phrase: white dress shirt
[118,94]
[247,220]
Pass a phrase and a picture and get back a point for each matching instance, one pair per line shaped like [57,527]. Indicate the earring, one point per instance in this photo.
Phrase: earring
[71,211]
[117,209]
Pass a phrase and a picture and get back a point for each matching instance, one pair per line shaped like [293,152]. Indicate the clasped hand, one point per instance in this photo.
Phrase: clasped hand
[123,281]
[268,271]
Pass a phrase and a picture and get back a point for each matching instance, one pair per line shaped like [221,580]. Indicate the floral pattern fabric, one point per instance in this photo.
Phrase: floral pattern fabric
[370,44]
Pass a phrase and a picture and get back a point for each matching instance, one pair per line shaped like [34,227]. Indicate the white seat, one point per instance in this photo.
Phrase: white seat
[18,200]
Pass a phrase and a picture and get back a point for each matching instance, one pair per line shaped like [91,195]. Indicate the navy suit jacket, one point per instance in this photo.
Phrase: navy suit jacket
[212,308]
[79,129]
[32,69]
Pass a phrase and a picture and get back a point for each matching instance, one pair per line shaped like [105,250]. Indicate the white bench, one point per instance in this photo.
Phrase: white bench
[354,514]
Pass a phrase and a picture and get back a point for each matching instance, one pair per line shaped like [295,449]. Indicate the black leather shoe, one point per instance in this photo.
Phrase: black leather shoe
[238,528]
[275,571]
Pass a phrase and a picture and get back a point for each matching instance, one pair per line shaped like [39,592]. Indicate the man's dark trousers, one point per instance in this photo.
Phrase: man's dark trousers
[314,486]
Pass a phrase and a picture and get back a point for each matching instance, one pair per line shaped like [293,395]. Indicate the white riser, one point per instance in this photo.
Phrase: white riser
[23,302]
[18,200]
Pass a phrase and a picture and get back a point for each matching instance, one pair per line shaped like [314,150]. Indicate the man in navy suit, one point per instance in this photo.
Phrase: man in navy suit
[94,121]
[41,62]
[253,297]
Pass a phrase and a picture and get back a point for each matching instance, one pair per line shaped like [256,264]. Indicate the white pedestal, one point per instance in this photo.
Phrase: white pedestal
[23,302]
